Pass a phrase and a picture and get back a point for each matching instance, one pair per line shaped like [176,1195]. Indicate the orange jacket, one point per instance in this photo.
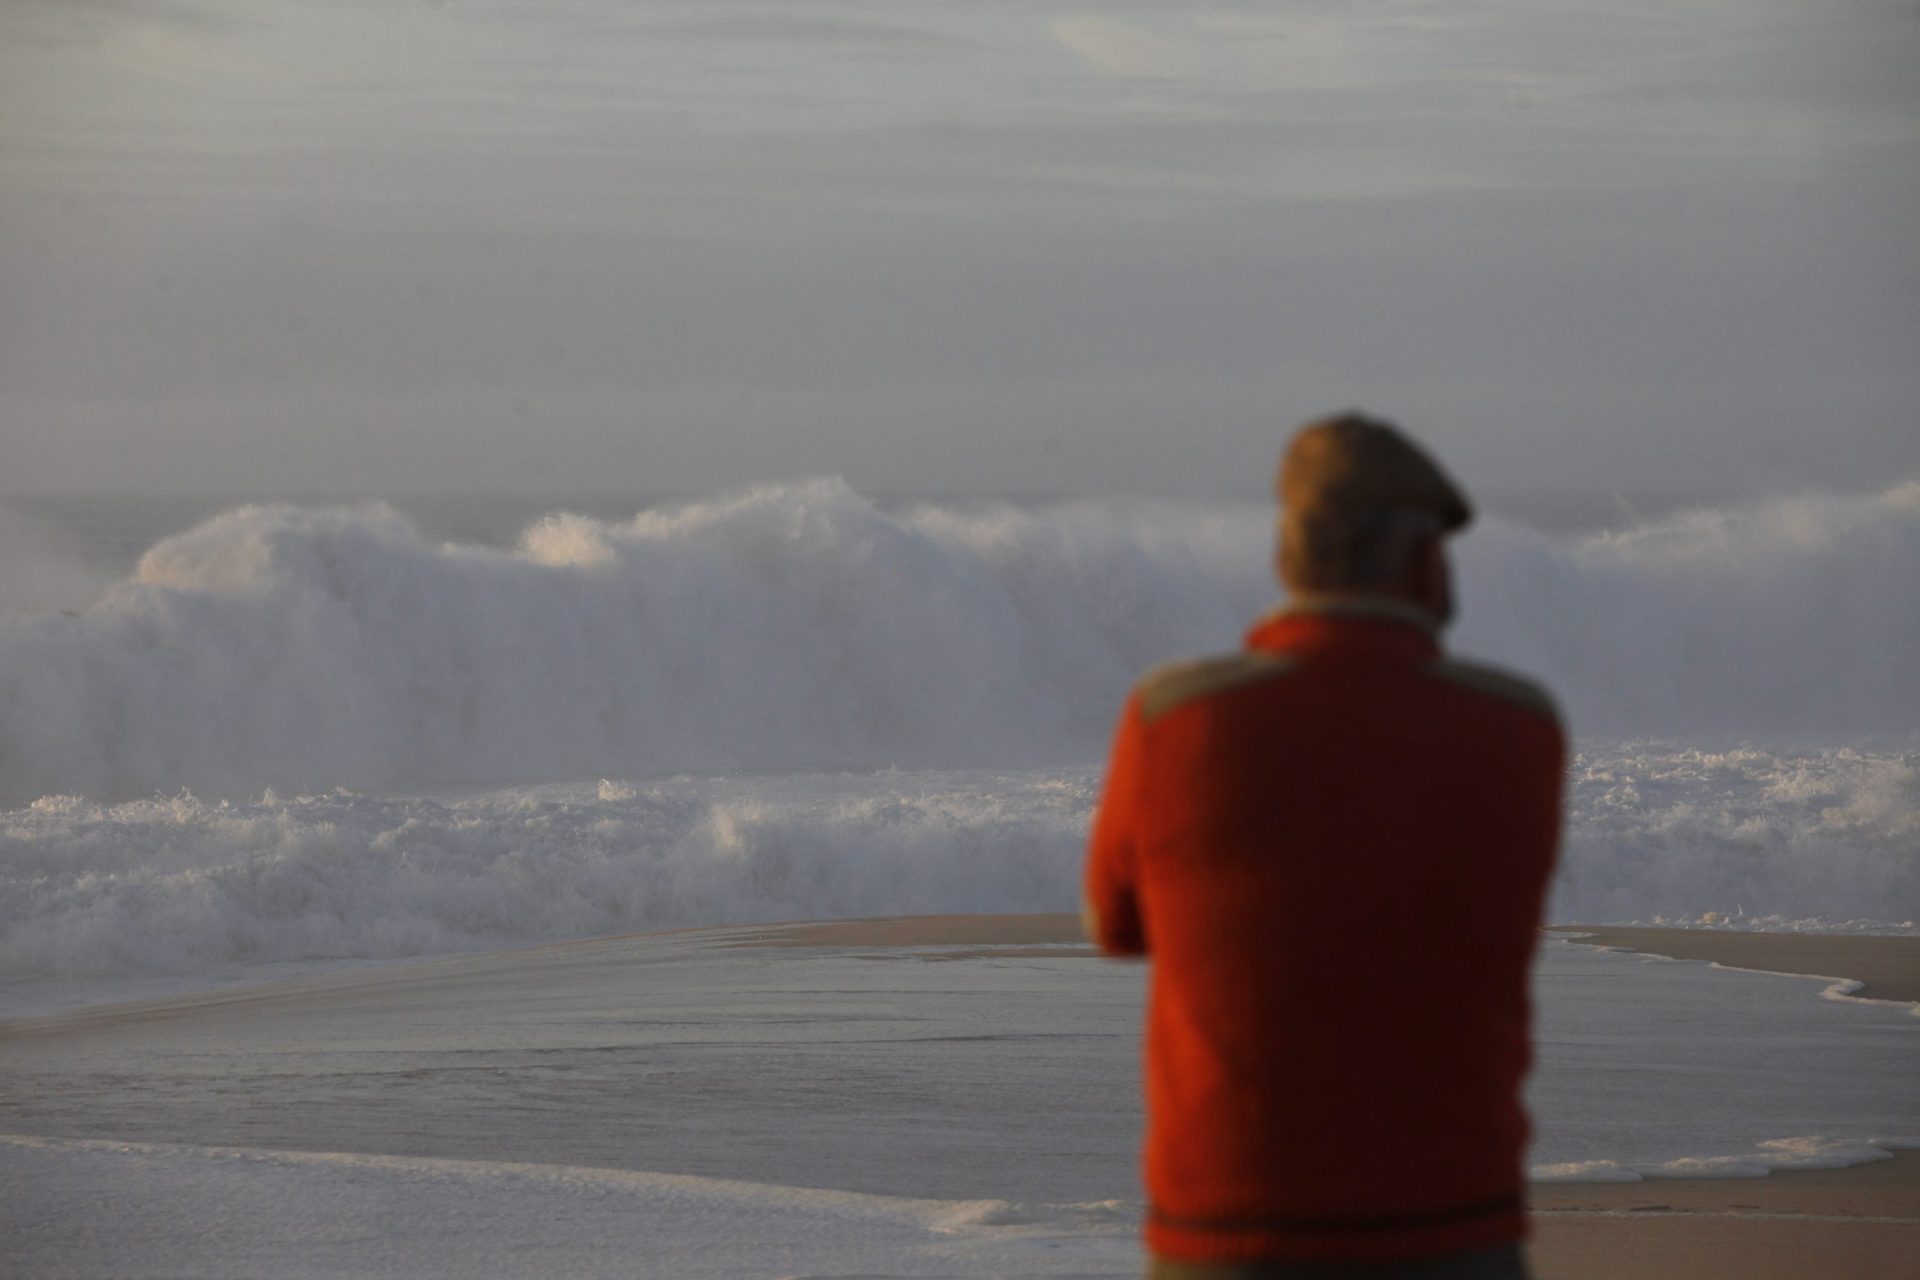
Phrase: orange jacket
[1335,845]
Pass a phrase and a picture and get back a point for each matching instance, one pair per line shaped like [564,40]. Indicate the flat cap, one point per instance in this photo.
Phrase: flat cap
[1351,462]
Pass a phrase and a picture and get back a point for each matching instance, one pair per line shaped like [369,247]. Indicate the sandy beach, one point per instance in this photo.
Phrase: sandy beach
[623,1087]
[1862,1221]
[1887,967]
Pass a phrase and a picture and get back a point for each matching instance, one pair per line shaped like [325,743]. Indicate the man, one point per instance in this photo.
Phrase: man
[1335,846]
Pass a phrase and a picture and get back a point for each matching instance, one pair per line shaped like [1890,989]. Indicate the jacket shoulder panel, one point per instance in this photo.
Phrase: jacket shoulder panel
[1177,683]
[1495,683]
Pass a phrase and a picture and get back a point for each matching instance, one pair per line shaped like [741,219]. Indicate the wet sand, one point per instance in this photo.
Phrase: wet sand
[937,937]
[1889,967]
[1862,1222]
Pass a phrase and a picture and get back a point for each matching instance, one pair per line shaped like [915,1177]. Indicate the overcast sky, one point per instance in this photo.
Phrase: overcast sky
[390,246]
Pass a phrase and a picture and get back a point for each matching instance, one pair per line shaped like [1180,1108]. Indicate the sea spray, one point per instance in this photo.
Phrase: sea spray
[803,626]
[1809,838]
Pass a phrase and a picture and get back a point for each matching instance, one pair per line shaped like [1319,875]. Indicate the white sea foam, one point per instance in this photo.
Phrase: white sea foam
[801,625]
[182,885]
[1809,838]
[215,1211]
[1794,615]
[1813,1152]
[1804,839]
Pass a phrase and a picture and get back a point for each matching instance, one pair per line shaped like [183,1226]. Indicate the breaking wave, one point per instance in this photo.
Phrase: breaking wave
[803,626]
[1814,838]
[183,885]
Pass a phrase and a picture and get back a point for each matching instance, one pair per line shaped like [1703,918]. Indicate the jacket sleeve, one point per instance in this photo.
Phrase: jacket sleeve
[1112,904]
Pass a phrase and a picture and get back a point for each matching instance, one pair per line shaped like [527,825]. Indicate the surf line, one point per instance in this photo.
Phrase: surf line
[1839,990]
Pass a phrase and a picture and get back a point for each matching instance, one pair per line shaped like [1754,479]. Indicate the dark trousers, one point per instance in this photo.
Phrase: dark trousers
[1502,1262]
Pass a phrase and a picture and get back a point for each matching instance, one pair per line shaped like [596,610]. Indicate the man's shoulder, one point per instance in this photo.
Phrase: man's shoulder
[1498,684]
[1176,684]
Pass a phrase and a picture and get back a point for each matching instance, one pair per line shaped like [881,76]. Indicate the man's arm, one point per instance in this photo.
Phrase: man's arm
[1112,905]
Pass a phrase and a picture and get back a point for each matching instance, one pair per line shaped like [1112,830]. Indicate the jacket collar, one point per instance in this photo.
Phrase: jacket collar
[1350,622]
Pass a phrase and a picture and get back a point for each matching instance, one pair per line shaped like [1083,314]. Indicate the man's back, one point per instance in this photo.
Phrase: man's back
[1335,847]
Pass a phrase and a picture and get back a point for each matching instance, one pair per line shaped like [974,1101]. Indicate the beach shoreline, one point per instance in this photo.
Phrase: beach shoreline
[1792,1224]
[1862,1220]
[1886,967]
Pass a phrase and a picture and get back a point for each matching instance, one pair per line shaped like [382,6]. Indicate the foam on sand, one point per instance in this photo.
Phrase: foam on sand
[1771,1156]
[238,1212]
[233,1212]
[833,1109]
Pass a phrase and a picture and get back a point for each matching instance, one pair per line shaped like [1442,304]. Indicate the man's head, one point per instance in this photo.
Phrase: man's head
[1364,510]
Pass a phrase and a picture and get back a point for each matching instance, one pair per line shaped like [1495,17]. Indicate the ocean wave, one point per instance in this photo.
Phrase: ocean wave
[1775,838]
[1814,838]
[181,884]
[803,626]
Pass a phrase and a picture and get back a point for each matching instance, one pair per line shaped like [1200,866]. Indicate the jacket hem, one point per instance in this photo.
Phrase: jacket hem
[1359,1238]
